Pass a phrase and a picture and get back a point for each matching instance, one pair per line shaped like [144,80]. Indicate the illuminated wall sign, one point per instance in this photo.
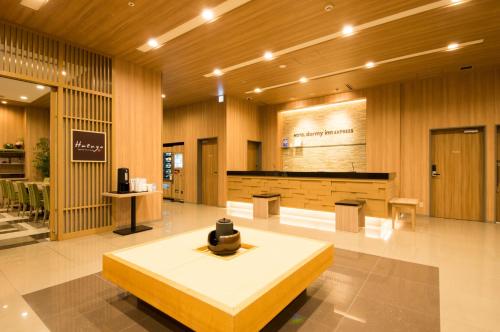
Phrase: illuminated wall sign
[325,138]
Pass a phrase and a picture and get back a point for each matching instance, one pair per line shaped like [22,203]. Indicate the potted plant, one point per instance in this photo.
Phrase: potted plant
[42,157]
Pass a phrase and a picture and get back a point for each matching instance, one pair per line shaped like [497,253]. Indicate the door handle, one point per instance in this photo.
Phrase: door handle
[434,171]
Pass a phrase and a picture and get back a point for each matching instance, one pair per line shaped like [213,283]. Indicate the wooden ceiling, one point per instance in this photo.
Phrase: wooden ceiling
[113,28]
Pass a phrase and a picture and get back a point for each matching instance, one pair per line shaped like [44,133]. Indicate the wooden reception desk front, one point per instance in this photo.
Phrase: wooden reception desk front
[316,190]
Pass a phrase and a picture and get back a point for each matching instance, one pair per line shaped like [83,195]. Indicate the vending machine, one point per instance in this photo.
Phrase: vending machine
[167,173]
[173,171]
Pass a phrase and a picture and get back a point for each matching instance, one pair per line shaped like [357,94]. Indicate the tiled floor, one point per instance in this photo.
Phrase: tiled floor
[16,231]
[359,292]
[466,253]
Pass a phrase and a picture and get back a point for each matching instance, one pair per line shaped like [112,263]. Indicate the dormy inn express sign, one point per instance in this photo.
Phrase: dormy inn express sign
[328,125]
[88,146]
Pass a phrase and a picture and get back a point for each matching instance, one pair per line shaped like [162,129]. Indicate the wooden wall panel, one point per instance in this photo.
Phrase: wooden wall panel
[242,122]
[137,130]
[383,130]
[400,117]
[37,126]
[12,120]
[190,123]
[269,129]
[461,99]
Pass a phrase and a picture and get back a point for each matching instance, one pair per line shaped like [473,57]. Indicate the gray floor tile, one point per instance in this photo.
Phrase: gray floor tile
[402,293]
[374,316]
[354,260]
[406,270]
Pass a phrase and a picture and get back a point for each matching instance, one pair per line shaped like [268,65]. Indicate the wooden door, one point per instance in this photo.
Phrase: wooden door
[457,174]
[253,156]
[209,172]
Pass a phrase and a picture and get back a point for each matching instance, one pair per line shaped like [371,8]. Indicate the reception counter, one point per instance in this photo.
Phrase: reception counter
[315,190]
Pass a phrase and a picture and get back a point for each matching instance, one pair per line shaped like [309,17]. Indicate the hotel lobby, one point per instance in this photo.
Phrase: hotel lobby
[250,165]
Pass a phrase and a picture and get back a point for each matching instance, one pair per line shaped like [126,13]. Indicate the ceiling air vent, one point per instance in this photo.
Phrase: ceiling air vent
[465,67]
[348,86]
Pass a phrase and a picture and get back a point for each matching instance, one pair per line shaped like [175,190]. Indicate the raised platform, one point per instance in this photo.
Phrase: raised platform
[210,293]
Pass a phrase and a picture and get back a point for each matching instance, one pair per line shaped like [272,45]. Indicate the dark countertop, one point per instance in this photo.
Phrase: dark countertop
[332,175]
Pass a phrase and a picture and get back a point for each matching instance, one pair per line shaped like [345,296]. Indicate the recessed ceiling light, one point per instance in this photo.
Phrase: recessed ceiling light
[455,2]
[24,98]
[268,55]
[282,66]
[34,4]
[207,14]
[153,43]
[303,79]
[347,30]
[217,72]
[40,87]
[131,4]
[4,102]
[370,64]
[257,90]
[163,96]
[24,314]
[452,46]
[63,73]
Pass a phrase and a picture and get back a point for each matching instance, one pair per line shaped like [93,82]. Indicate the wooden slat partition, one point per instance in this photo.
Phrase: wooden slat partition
[27,55]
[86,70]
[84,208]
[81,99]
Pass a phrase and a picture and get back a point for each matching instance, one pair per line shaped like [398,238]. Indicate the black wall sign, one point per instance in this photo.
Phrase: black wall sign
[89,146]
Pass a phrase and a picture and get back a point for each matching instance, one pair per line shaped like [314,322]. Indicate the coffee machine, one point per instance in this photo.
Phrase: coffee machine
[123,180]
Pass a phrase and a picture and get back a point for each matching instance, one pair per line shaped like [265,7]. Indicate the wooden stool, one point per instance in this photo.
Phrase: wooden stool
[398,204]
[349,215]
[265,205]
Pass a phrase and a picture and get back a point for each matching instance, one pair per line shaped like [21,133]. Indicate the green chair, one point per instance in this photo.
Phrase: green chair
[46,201]
[24,198]
[35,200]
[13,199]
[5,193]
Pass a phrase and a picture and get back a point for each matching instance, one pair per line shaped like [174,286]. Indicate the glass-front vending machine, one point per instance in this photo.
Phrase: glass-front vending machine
[167,173]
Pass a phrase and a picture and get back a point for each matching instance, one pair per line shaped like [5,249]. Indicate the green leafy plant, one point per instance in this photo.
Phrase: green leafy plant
[42,157]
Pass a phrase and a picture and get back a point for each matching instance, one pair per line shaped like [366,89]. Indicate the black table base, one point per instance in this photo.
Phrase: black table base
[130,230]
[133,227]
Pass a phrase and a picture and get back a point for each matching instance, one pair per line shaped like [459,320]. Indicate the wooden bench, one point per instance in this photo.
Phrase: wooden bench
[349,215]
[265,205]
[399,204]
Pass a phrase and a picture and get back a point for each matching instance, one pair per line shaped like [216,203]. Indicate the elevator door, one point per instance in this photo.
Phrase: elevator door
[209,172]
[457,174]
